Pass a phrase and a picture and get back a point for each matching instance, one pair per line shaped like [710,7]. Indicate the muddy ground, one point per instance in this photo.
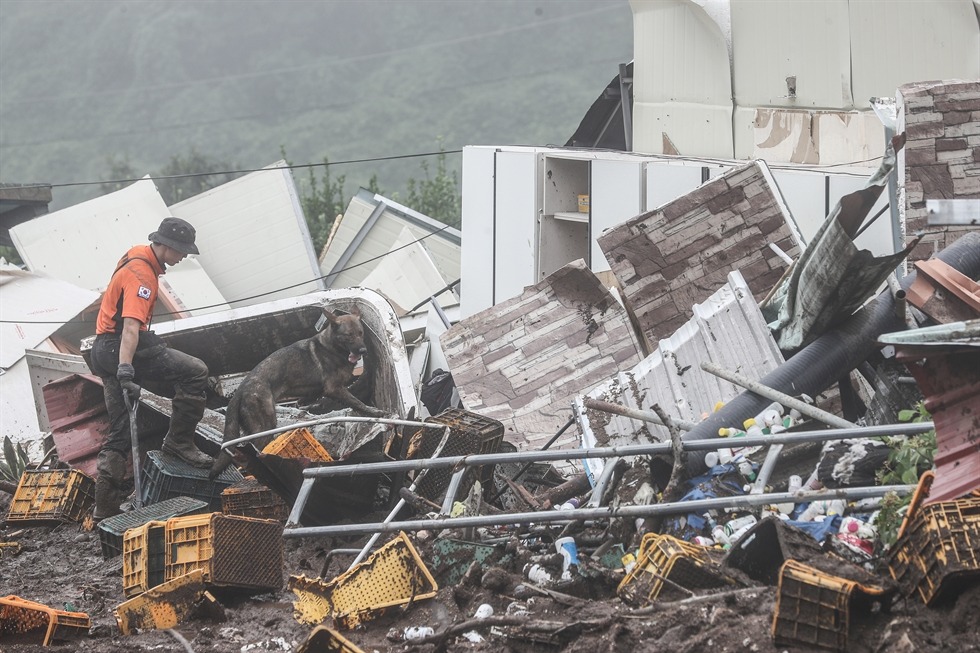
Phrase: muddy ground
[62,567]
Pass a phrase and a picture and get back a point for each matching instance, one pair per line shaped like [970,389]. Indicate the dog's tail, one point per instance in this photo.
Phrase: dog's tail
[232,431]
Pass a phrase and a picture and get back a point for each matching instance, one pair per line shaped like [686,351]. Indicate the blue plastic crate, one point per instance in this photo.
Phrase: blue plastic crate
[111,530]
[165,477]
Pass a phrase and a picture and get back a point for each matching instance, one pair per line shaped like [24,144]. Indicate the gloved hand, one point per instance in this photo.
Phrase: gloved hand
[125,375]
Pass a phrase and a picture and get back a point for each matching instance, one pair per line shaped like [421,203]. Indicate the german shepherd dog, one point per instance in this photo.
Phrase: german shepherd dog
[321,366]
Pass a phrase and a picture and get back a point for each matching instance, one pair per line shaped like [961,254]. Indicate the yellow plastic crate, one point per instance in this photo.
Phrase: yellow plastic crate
[392,575]
[163,606]
[814,608]
[232,551]
[51,496]
[939,550]
[298,443]
[664,557]
[143,558]
[27,622]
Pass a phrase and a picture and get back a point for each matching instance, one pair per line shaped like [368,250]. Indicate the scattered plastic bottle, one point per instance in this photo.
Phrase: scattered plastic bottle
[858,528]
[571,504]
[485,610]
[752,428]
[416,633]
[747,469]
[795,483]
[737,524]
[537,574]
[730,433]
[703,540]
[719,535]
[711,459]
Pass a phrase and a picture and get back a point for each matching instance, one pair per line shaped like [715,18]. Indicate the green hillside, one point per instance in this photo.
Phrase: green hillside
[84,83]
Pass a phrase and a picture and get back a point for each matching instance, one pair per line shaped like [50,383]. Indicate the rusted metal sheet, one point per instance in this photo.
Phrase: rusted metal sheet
[945,362]
[668,259]
[944,293]
[79,422]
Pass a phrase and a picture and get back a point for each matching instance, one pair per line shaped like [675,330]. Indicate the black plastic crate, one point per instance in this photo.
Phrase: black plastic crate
[165,477]
[470,433]
[112,530]
[249,498]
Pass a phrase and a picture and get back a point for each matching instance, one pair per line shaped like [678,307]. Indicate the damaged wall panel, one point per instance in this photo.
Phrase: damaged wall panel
[676,256]
[941,157]
[521,361]
[728,329]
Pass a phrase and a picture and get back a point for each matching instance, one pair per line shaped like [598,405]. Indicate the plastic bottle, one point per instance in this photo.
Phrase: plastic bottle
[795,483]
[415,633]
[571,504]
[730,433]
[711,459]
[485,610]
[734,537]
[703,541]
[772,415]
[719,535]
[747,470]
[537,574]
[725,456]
[835,507]
[752,428]
[739,523]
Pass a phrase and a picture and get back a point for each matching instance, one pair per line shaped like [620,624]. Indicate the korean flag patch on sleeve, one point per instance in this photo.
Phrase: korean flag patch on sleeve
[143,292]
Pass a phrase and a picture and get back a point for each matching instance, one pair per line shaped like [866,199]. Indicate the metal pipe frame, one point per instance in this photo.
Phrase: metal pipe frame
[328,420]
[311,474]
[745,501]
[474,460]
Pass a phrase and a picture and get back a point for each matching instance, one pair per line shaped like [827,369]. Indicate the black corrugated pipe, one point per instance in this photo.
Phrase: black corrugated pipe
[834,354]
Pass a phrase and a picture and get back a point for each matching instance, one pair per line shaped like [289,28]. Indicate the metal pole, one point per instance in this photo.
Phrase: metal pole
[743,501]
[327,420]
[881,431]
[642,415]
[786,400]
[547,445]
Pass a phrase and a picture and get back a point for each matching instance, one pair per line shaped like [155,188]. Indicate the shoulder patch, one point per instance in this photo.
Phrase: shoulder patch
[143,292]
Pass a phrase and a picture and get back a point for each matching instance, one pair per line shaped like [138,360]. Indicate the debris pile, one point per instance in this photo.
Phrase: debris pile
[772,451]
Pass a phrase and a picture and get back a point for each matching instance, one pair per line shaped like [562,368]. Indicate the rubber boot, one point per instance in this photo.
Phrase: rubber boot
[108,486]
[187,412]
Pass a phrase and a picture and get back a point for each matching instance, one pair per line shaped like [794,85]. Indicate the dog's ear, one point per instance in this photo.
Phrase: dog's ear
[355,311]
[330,315]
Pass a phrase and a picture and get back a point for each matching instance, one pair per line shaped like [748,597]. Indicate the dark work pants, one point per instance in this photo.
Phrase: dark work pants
[163,371]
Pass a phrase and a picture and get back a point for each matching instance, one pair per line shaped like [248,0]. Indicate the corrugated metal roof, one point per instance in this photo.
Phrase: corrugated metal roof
[728,329]
[945,362]
[371,230]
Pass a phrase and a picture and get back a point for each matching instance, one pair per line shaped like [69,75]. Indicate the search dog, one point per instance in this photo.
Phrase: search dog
[320,366]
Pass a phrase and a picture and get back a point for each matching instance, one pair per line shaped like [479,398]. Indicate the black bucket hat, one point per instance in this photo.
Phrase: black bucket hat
[176,233]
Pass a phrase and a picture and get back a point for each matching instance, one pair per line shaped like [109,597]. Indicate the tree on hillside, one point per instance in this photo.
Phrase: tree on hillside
[182,177]
[323,200]
[437,197]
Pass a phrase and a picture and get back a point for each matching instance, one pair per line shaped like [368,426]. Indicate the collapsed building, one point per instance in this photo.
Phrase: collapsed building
[668,380]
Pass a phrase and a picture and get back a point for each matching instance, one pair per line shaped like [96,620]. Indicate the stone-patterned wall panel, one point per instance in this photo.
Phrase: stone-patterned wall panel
[941,157]
[676,256]
[524,360]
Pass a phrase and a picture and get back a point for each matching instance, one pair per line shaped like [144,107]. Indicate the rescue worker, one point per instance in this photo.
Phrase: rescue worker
[126,354]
